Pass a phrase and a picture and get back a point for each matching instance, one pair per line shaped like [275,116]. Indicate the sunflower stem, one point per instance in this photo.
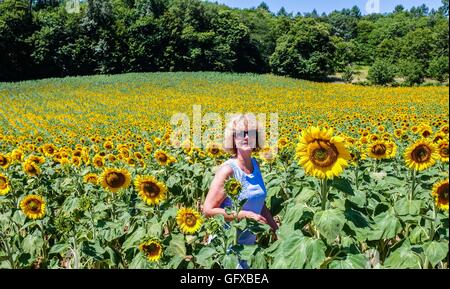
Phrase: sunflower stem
[413,187]
[432,229]
[324,193]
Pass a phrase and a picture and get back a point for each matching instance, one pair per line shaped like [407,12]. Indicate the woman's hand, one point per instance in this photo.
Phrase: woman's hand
[251,215]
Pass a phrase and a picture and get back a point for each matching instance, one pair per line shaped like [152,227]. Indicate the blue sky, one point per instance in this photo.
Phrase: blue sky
[330,5]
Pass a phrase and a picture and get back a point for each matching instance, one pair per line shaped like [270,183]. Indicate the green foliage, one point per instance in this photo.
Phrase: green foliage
[381,72]
[348,74]
[439,69]
[116,36]
[305,51]
[412,71]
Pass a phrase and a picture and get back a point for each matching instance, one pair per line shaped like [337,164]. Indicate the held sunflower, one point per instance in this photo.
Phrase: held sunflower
[322,154]
[150,190]
[232,187]
[440,194]
[115,179]
[33,206]
[421,155]
[189,220]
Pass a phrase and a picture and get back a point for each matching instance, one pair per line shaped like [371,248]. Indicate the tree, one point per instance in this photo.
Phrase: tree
[399,9]
[412,70]
[283,13]
[444,8]
[306,51]
[439,68]
[263,6]
[418,45]
[381,72]
[156,8]
[15,27]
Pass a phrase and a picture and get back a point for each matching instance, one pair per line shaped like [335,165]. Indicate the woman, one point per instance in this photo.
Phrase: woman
[242,136]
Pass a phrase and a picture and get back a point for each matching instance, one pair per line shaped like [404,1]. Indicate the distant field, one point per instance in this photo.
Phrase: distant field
[107,105]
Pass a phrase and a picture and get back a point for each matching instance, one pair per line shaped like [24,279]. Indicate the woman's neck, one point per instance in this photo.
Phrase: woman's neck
[244,158]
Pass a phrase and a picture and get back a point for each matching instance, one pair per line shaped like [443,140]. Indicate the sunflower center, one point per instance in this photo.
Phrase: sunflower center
[162,158]
[34,206]
[426,133]
[379,149]
[443,194]
[3,161]
[421,154]
[115,180]
[3,184]
[324,155]
[151,189]
[190,220]
[31,169]
[214,151]
[50,150]
[153,249]
[444,152]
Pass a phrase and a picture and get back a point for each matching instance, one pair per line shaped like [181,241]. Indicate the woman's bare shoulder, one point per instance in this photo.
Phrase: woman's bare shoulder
[224,170]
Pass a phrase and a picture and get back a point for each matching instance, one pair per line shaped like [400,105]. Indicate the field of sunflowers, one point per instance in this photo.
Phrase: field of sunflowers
[89,178]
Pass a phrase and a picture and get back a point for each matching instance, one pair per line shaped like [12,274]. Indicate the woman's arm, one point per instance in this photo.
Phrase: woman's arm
[270,221]
[216,196]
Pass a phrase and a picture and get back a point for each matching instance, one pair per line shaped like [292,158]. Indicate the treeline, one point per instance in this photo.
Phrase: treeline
[41,39]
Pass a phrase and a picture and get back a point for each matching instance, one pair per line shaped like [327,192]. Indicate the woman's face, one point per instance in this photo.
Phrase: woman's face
[245,137]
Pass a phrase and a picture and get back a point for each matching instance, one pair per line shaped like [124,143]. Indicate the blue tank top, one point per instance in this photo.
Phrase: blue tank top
[253,190]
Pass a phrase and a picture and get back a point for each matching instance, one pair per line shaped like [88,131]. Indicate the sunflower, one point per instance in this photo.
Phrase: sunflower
[148,148]
[440,194]
[98,161]
[322,154]
[36,159]
[49,149]
[76,161]
[283,142]
[421,155]
[5,161]
[31,168]
[33,206]
[150,190]
[112,158]
[17,155]
[425,130]
[115,179]
[108,145]
[267,155]
[189,220]
[398,133]
[152,249]
[163,158]
[186,146]
[442,147]
[4,185]
[91,178]
[214,150]
[381,150]
[232,187]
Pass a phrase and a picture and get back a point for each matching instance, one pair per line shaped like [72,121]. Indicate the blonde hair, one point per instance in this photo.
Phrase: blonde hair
[249,121]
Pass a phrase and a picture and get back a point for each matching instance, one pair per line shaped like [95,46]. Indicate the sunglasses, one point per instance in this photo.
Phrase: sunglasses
[243,133]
